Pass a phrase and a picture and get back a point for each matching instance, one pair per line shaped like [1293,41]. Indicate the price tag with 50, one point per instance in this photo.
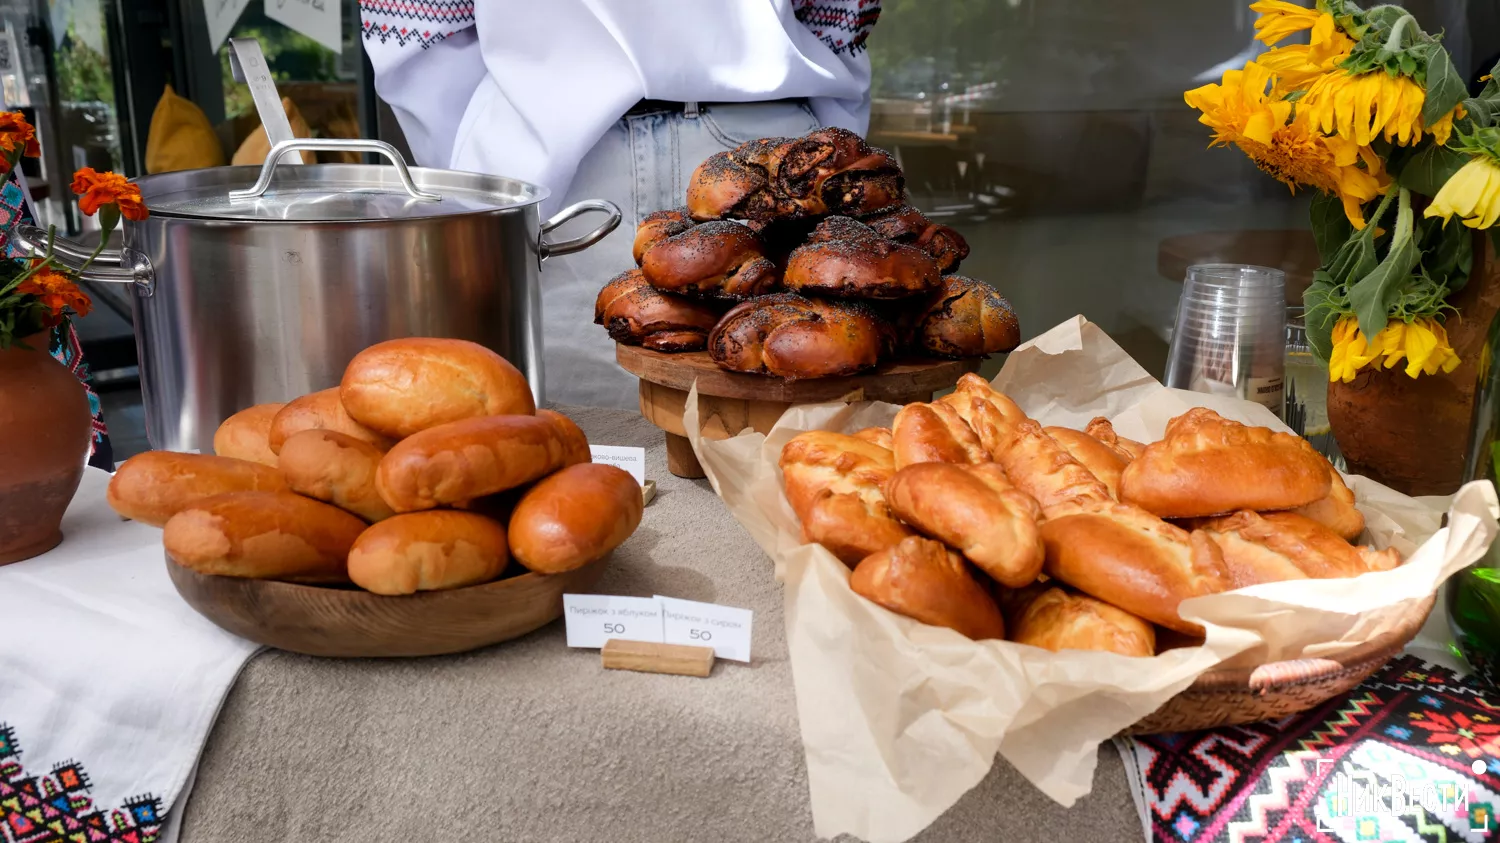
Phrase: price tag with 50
[593,619]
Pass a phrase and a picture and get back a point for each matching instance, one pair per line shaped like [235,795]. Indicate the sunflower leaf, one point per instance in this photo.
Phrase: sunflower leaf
[1445,88]
[1430,169]
[1330,226]
[1492,87]
[1372,296]
[1356,258]
[1323,307]
[1447,253]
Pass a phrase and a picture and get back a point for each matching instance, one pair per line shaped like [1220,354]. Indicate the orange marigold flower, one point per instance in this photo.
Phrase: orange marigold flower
[56,292]
[98,189]
[16,132]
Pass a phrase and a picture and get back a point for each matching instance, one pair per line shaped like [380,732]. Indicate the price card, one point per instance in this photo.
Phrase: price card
[724,628]
[593,619]
[632,460]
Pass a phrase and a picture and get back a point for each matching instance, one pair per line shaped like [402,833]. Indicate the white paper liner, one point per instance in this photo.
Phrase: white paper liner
[900,719]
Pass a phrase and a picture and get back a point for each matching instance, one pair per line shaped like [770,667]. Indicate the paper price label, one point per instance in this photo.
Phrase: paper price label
[593,619]
[724,628]
[632,460]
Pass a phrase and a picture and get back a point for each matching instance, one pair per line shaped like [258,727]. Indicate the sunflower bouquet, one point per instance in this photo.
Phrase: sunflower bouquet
[39,294]
[1371,114]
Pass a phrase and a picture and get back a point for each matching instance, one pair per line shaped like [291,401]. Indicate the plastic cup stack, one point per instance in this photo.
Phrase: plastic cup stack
[1230,336]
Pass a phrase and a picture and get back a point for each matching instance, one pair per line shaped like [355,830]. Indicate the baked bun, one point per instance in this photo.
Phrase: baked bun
[735,185]
[636,313]
[322,410]
[1102,461]
[794,337]
[246,435]
[967,318]
[1100,428]
[976,511]
[575,444]
[263,535]
[658,226]
[1284,545]
[834,171]
[574,517]
[1209,465]
[399,387]
[153,486]
[907,225]
[428,551]
[835,483]
[876,436]
[335,468]
[847,259]
[934,433]
[1128,557]
[1336,511]
[714,260]
[468,459]
[924,580]
[1060,620]
[971,386]
[1034,461]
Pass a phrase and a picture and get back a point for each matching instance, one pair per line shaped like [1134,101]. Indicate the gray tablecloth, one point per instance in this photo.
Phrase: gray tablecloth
[529,740]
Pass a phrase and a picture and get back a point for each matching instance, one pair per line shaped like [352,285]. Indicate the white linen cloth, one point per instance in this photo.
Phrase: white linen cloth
[525,89]
[105,671]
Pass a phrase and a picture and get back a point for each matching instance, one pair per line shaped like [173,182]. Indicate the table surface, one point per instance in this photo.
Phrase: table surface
[529,740]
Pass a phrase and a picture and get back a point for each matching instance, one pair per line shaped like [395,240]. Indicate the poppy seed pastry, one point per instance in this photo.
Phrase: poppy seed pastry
[834,171]
[658,226]
[909,226]
[711,260]
[845,258]
[1209,465]
[967,318]
[636,313]
[795,337]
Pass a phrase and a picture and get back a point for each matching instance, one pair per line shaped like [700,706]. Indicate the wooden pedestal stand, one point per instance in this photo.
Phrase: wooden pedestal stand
[729,402]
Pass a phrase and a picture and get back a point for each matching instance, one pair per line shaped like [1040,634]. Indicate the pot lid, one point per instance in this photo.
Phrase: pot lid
[331,193]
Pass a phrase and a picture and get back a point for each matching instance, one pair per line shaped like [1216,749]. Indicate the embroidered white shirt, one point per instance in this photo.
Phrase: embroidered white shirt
[525,88]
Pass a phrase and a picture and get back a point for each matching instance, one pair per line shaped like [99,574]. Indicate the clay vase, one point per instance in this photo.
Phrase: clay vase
[1411,433]
[45,426]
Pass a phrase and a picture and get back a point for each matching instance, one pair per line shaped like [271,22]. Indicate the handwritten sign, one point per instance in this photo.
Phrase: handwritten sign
[222,15]
[320,20]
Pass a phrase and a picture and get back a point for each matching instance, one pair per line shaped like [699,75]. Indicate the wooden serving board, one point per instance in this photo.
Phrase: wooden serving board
[729,402]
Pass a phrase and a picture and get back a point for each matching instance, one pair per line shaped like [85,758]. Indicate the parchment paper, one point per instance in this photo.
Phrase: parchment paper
[899,719]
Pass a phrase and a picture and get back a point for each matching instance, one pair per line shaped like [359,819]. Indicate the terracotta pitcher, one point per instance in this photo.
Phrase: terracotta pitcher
[44,444]
[1411,433]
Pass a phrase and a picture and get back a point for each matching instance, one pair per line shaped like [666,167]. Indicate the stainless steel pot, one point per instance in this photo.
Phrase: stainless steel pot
[258,285]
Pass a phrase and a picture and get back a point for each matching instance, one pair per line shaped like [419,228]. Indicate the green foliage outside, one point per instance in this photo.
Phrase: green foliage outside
[82,74]
[294,57]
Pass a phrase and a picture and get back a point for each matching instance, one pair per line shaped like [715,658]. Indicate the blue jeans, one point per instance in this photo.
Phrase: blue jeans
[642,164]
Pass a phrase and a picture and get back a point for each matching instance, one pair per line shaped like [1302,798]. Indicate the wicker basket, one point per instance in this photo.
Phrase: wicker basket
[1233,696]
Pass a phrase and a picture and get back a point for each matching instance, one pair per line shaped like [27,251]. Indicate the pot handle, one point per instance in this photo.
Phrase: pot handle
[122,267]
[268,169]
[578,244]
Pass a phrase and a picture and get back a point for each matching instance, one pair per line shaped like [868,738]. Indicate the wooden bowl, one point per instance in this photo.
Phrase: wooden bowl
[348,622]
[1231,696]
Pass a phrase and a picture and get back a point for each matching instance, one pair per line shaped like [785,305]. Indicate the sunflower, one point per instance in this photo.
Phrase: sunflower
[1280,20]
[1240,112]
[1472,194]
[1422,343]
[1297,66]
[1370,105]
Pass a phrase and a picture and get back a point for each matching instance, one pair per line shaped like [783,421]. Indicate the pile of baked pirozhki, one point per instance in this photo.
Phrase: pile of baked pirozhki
[969,515]
[798,258]
[428,467]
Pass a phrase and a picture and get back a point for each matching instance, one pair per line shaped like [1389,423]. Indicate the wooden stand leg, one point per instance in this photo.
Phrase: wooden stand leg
[681,460]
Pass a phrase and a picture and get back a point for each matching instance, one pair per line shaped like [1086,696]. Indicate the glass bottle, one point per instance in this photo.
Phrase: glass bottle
[1473,596]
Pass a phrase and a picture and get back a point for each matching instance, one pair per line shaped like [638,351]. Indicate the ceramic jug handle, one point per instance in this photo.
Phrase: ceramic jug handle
[109,268]
[578,244]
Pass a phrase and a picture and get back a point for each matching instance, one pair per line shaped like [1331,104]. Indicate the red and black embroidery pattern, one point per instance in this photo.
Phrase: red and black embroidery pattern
[56,808]
[843,25]
[419,22]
